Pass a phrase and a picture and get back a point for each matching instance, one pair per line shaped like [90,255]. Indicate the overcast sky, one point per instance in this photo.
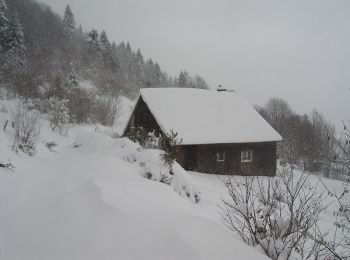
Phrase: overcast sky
[297,50]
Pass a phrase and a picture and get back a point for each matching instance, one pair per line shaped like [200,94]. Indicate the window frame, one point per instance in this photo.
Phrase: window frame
[222,158]
[247,156]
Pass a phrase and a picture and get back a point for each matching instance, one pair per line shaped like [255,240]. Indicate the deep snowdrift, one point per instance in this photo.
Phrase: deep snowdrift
[88,199]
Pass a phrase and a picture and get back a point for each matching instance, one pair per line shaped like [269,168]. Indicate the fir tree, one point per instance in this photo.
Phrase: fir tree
[13,54]
[15,36]
[128,47]
[157,75]
[93,40]
[131,74]
[182,80]
[139,57]
[72,80]
[115,65]
[68,22]
[57,90]
[105,44]
[4,25]
[122,45]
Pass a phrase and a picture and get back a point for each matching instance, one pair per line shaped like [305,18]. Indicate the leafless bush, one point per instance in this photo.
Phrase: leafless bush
[278,214]
[338,247]
[27,129]
[106,110]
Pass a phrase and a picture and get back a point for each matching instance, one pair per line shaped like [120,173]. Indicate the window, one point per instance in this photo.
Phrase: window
[247,156]
[220,157]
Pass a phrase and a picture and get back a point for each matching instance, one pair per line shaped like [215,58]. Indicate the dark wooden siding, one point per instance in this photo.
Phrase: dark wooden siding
[142,117]
[263,163]
[203,157]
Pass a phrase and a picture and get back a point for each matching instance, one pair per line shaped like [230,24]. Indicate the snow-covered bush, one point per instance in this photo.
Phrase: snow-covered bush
[278,214]
[27,129]
[3,109]
[153,168]
[138,135]
[146,139]
[182,183]
[153,141]
[170,147]
[59,114]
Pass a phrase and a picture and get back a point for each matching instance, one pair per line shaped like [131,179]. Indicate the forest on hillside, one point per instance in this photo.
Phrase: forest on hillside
[76,76]
[43,55]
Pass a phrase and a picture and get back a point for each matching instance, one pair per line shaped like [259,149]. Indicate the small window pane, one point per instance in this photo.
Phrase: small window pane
[247,156]
[220,157]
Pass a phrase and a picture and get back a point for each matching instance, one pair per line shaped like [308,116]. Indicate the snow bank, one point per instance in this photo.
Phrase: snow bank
[90,201]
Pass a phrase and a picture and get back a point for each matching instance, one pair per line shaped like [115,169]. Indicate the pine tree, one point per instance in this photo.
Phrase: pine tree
[93,40]
[182,80]
[72,80]
[4,26]
[68,22]
[131,74]
[57,90]
[122,45]
[16,37]
[128,47]
[139,57]
[105,44]
[157,75]
[140,74]
[59,114]
[13,53]
[115,65]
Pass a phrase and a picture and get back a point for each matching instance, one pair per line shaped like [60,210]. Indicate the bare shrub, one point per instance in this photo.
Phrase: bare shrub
[278,214]
[27,129]
[336,245]
[106,110]
[80,104]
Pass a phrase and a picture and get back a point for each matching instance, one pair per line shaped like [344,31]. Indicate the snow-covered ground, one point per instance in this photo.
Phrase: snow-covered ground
[88,199]
[92,202]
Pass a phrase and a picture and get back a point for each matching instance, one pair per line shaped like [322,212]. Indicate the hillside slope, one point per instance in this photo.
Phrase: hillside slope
[92,202]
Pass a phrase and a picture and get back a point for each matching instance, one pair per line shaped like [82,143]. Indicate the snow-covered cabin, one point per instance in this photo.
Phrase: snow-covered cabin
[220,131]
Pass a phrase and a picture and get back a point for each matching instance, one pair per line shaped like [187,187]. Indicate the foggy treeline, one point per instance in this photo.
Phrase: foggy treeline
[306,138]
[44,55]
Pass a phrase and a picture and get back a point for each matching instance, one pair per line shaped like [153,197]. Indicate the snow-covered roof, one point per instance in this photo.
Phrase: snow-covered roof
[206,116]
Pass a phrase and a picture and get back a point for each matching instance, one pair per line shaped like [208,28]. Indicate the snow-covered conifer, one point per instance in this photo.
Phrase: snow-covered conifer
[105,44]
[59,114]
[4,25]
[183,79]
[157,74]
[68,21]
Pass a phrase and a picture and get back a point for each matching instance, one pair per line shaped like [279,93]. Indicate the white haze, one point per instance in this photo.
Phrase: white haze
[297,50]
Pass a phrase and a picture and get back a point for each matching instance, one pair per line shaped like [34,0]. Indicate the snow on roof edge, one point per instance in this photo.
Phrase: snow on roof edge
[277,137]
[152,112]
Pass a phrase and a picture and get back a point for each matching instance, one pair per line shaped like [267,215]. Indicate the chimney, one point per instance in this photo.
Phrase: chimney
[220,89]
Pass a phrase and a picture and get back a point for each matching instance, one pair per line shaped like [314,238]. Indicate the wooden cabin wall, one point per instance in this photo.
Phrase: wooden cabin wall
[202,158]
[142,117]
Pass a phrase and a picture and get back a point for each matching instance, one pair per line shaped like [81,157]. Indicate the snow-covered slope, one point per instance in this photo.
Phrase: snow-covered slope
[90,201]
